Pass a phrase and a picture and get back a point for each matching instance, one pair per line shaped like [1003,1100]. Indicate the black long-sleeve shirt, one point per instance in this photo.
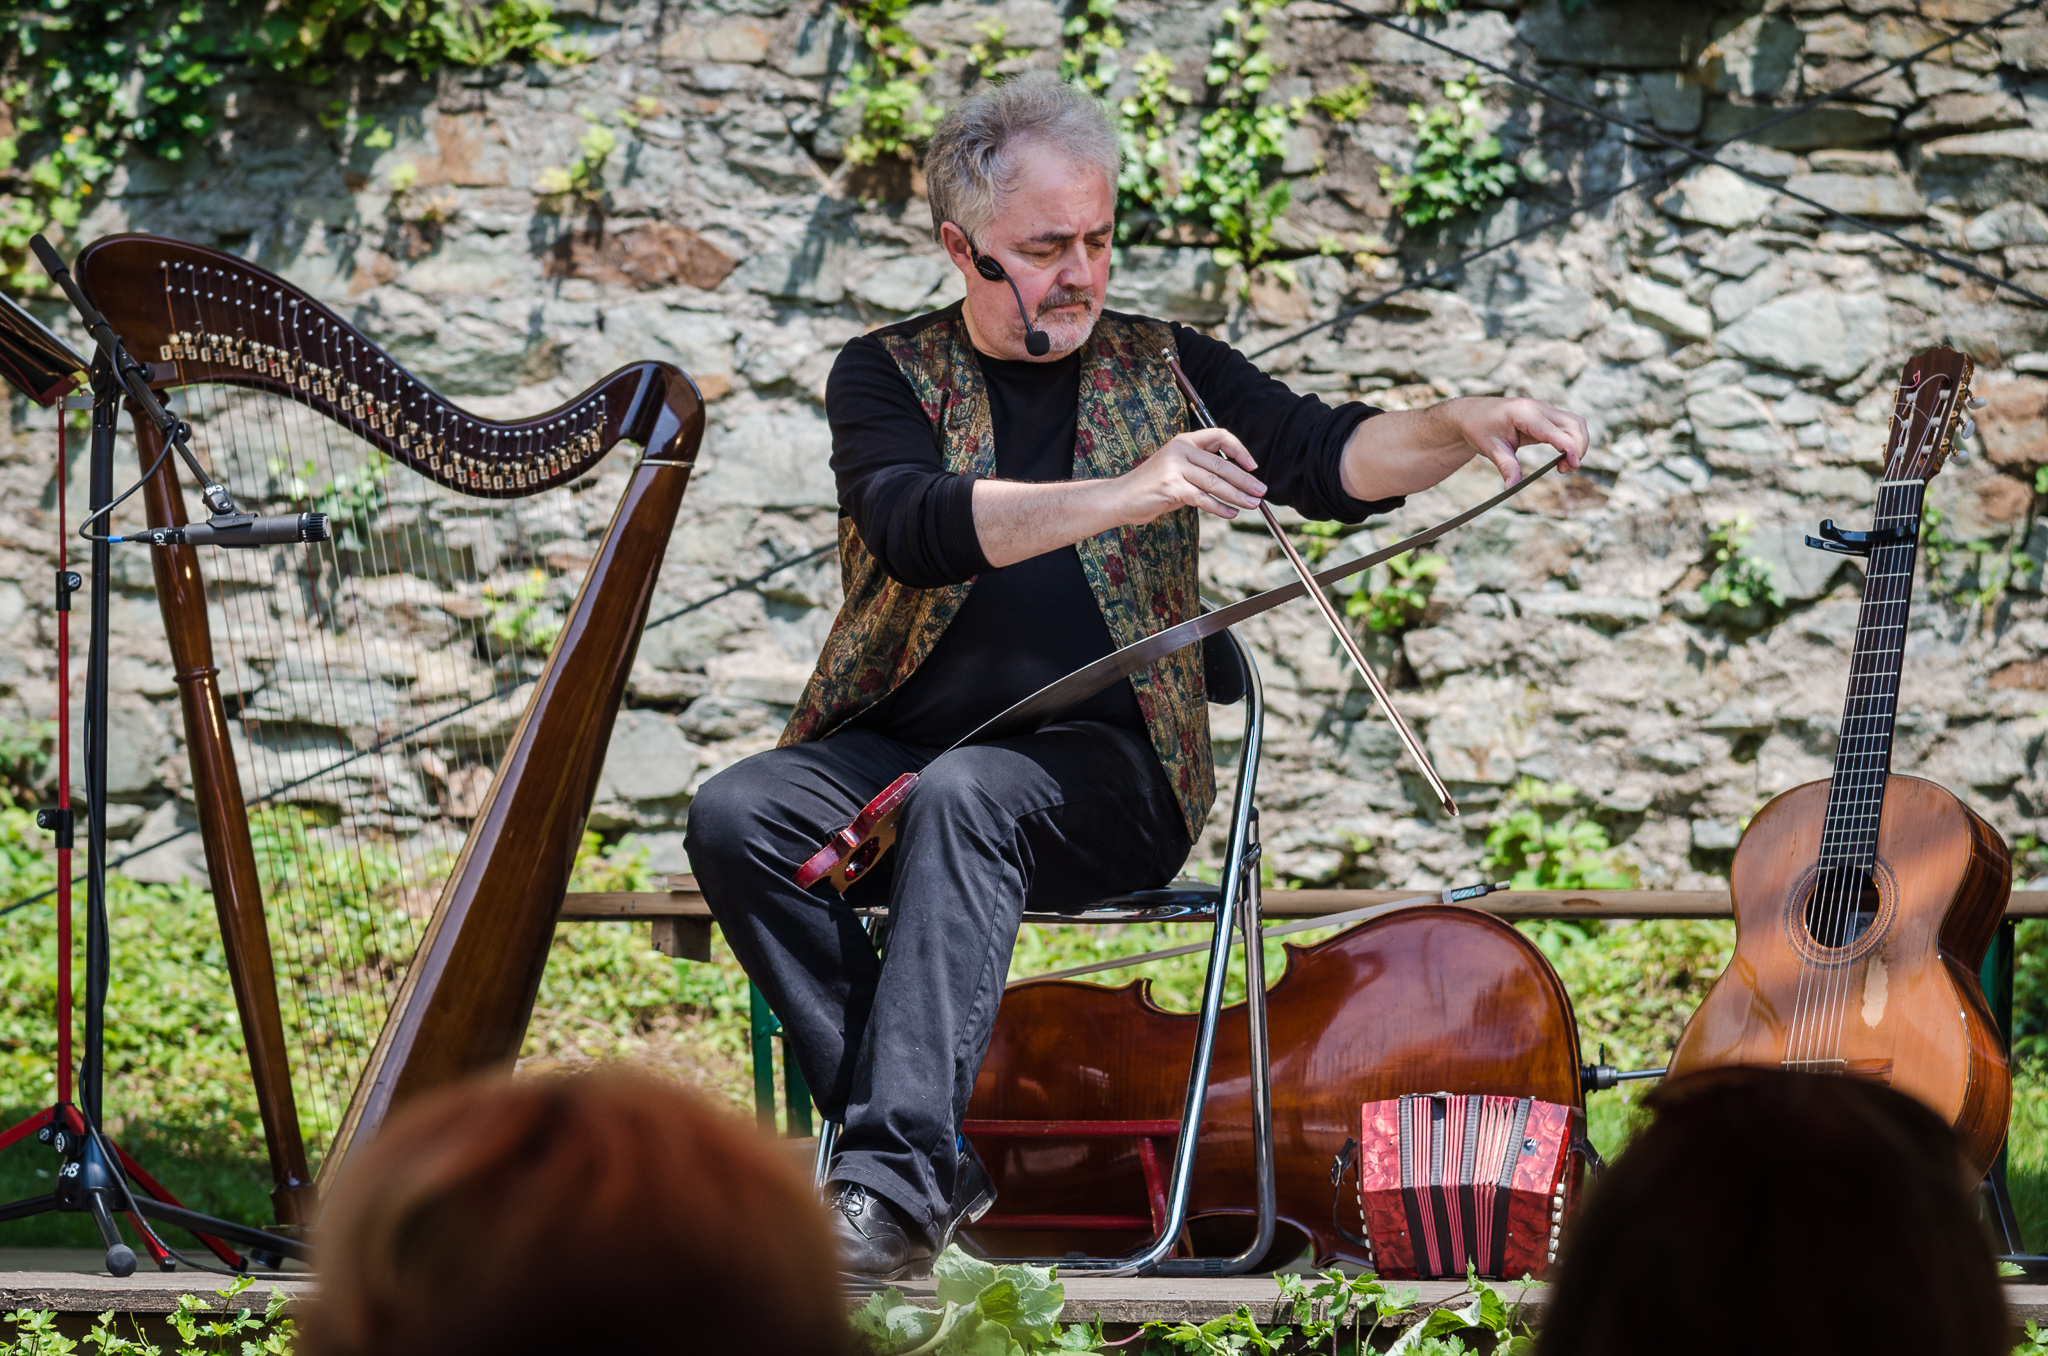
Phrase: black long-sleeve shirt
[1026,624]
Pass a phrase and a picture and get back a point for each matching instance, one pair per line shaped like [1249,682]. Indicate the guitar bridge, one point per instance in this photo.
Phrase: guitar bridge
[1876,1070]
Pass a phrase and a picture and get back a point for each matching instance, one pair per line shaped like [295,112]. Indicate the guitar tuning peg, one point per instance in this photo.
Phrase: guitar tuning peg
[1978,402]
[1968,431]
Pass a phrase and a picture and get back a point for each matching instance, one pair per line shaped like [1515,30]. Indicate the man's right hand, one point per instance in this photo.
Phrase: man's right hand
[1208,469]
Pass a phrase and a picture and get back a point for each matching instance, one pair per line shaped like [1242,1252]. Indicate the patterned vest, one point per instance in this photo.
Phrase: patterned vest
[1143,578]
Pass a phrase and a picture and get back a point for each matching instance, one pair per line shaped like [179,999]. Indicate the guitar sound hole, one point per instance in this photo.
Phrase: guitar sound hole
[1843,905]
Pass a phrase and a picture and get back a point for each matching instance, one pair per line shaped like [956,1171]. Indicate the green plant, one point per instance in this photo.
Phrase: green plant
[1089,42]
[1459,165]
[1228,188]
[1241,141]
[1545,845]
[1969,572]
[983,1308]
[1149,183]
[887,84]
[584,177]
[1739,581]
[25,752]
[993,50]
[202,1330]
[1428,6]
[90,84]
[991,1309]
[313,38]
[1346,103]
[519,614]
[1397,593]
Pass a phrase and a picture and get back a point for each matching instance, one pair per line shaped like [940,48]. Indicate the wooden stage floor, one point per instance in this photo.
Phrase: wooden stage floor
[70,1281]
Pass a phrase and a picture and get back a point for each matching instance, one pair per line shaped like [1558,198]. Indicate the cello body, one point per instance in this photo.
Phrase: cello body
[1437,998]
[1901,1002]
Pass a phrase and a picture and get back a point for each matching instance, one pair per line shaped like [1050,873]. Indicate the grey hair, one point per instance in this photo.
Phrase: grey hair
[971,163]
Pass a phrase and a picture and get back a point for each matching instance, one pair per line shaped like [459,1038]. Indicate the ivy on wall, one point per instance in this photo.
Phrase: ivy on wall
[1208,177]
[84,83]
[1459,166]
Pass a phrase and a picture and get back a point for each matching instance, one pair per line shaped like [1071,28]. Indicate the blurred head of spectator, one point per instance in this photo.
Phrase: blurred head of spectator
[606,1212]
[1766,1210]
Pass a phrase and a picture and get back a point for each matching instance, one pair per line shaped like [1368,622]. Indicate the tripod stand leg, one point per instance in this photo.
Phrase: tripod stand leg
[34,1205]
[120,1257]
[155,1188]
[28,1127]
[256,1240]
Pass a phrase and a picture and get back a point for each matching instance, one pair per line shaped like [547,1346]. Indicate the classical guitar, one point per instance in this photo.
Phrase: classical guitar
[1864,903]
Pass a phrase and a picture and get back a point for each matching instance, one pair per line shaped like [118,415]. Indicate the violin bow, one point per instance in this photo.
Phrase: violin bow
[1329,611]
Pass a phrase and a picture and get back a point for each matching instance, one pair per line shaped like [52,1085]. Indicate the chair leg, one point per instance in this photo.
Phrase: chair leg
[821,1166]
[1250,920]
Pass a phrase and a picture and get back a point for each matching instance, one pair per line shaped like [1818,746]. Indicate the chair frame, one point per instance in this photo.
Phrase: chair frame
[1235,907]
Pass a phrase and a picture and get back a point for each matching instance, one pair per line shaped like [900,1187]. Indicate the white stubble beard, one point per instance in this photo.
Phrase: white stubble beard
[1068,332]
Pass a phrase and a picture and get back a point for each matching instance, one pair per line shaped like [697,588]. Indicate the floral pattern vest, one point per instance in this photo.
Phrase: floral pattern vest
[1143,578]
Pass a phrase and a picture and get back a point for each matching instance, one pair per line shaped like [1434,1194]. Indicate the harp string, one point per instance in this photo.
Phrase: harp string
[314,641]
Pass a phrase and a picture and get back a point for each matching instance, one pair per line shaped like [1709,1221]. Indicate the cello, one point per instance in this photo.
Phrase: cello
[1422,999]
[1864,903]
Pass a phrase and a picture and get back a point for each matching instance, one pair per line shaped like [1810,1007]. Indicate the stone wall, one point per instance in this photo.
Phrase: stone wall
[1733,350]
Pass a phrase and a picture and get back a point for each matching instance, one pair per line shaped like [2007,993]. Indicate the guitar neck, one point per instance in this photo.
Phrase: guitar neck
[1863,758]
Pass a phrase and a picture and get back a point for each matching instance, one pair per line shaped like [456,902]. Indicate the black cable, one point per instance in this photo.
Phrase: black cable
[1707,156]
[115,503]
[403,735]
[1595,199]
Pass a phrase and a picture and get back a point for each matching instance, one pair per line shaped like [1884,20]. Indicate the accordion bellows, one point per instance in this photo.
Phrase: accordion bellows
[1449,1181]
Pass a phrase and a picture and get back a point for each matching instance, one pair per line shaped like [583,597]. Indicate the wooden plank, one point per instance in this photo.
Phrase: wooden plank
[681,923]
[686,901]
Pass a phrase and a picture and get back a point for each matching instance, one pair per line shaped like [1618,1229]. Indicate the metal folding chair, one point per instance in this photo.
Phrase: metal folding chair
[1231,904]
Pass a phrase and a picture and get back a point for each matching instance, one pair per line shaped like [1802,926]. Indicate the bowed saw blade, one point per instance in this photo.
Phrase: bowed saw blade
[876,822]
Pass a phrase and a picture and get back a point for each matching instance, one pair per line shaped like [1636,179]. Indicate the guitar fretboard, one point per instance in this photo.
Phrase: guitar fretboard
[1863,759]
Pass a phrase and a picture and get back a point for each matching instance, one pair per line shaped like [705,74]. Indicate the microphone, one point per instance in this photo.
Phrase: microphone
[277,529]
[1036,341]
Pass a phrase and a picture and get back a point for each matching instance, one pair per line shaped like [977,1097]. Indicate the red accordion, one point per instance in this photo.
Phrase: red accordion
[1446,1182]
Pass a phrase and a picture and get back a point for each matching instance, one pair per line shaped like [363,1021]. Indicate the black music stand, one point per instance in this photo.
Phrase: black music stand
[98,1178]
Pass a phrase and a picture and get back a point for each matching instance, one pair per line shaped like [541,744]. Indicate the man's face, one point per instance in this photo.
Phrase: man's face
[1052,235]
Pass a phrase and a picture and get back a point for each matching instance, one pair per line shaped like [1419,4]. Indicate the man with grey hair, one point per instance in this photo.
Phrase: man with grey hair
[1019,494]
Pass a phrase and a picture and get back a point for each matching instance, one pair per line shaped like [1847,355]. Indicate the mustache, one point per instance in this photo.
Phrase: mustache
[1066,296]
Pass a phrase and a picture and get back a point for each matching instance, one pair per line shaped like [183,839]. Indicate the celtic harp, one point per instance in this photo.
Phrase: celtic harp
[394,737]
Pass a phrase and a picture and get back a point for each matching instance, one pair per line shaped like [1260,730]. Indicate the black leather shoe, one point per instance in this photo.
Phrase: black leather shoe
[875,1240]
[974,1191]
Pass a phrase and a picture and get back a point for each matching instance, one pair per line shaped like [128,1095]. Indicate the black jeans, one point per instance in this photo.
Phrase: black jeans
[891,1048]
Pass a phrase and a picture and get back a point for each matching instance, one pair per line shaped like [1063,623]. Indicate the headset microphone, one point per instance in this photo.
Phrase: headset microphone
[1036,341]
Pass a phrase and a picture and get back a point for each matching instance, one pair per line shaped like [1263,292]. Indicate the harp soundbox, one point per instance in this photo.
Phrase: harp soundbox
[394,737]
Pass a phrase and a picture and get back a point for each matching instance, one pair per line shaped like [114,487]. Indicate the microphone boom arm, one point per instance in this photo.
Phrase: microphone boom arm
[134,379]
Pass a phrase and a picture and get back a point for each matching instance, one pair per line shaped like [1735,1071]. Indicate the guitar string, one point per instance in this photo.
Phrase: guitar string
[1820,907]
[1854,850]
[1850,800]
[1872,673]
[1857,790]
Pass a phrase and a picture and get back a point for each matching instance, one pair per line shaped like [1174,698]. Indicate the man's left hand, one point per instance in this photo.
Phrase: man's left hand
[1407,451]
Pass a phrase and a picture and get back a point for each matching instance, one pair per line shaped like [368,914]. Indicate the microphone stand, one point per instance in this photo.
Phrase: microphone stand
[98,1178]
